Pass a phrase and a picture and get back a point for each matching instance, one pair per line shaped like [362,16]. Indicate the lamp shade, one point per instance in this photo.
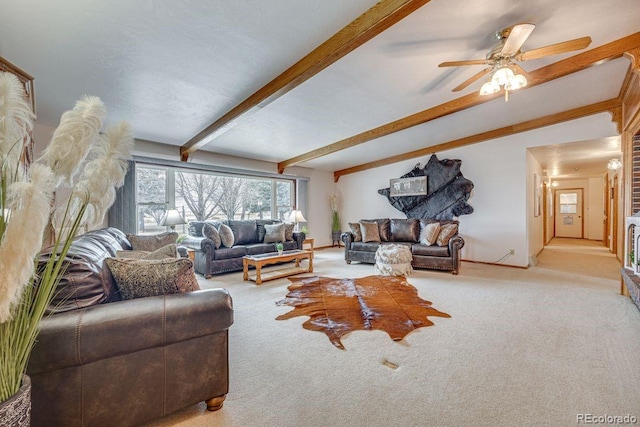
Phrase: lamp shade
[172,218]
[296,216]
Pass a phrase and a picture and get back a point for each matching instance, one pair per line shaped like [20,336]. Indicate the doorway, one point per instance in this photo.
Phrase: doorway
[569,213]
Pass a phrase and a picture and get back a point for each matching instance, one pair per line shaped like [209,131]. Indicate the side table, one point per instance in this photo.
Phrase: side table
[308,241]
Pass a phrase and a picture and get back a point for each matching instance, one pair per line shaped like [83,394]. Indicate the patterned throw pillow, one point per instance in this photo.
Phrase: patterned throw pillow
[226,236]
[169,251]
[355,230]
[447,231]
[369,231]
[136,278]
[211,233]
[152,242]
[288,231]
[274,233]
[429,233]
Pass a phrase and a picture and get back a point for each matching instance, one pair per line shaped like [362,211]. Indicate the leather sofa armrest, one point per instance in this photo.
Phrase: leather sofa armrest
[456,243]
[299,237]
[99,332]
[198,244]
[347,238]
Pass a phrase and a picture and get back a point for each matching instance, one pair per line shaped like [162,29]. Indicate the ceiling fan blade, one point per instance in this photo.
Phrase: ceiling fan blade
[518,35]
[472,79]
[555,49]
[459,63]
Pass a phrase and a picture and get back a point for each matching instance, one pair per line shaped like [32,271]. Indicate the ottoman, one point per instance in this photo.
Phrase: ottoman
[393,260]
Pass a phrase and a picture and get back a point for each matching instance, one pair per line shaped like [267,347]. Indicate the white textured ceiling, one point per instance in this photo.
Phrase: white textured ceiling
[171,68]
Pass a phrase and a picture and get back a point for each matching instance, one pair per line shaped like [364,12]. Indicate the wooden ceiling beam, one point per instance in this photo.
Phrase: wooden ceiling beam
[368,25]
[610,105]
[542,75]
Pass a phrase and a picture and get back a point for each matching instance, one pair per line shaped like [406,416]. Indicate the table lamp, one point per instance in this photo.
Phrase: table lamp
[172,218]
[296,217]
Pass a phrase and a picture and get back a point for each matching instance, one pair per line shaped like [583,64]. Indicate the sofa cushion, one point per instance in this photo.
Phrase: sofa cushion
[274,233]
[260,223]
[384,228]
[433,250]
[228,253]
[260,248]
[365,247]
[169,251]
[370,232]
[447,231]
[244,232]
[355,230]
[145,278]
[226,236]
[152,242]
[288,231]
[289,246]
[211,232]
[429,233]
[404,230]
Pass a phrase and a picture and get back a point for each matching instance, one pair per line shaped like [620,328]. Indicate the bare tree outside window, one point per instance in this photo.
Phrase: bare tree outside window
[200,193]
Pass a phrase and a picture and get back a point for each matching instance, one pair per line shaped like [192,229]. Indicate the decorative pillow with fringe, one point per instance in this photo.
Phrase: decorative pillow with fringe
[137,278]
[355,230]
[152,242]
[447,231]
[169,251]
[429,233]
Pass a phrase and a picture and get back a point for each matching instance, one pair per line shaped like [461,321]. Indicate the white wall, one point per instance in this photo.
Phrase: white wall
[501,197]
[592,201]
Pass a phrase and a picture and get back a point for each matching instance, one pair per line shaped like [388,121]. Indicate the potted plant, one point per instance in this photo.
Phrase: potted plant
[336,226]
[279,248]
[79,156]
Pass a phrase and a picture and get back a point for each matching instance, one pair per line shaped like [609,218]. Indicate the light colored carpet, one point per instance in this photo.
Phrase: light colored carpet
[523,347]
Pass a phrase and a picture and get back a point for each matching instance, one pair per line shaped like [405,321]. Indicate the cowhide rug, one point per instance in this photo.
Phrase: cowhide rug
[339,306]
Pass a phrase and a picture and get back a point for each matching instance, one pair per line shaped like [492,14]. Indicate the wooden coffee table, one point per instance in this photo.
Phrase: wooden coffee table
[258,261]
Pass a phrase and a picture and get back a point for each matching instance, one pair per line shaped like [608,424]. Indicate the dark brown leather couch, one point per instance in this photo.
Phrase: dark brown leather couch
[249,240]
[103,362]
[406,231]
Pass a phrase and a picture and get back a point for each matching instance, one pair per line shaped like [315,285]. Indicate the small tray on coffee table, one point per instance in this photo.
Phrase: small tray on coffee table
[259,261]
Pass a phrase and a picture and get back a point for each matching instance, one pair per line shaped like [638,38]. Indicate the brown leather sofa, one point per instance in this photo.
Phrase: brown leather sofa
[103,362]
[249,240]
[406,231]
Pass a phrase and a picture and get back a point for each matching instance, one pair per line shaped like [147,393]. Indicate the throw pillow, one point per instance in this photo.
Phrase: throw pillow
[369,231]
[274,233]
[226,236]
[136,278]
[447,231]
[211,233]
[152,242]
[288,231]
[169,251]
[355,230]
[429,233]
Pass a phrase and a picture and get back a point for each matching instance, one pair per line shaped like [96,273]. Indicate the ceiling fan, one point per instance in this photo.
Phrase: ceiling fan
[503,59]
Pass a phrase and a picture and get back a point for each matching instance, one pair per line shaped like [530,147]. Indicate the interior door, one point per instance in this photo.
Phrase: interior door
[569,213]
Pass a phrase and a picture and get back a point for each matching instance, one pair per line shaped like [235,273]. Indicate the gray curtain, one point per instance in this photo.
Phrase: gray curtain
[122,214]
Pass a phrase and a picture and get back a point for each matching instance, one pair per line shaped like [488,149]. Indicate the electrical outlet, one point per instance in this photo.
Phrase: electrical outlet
[512,251]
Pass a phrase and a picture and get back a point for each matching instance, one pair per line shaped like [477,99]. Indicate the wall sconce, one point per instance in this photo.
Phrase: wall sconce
[554,184]
[614,164]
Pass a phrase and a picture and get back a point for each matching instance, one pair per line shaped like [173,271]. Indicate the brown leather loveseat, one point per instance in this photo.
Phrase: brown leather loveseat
[407,232]
[104,362]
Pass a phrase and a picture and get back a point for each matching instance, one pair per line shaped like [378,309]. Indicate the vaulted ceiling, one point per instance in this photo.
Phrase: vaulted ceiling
[372,91]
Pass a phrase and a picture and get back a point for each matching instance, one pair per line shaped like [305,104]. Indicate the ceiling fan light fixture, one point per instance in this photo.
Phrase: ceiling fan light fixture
[518,81]
[489,88]
[502,76]
[614,164]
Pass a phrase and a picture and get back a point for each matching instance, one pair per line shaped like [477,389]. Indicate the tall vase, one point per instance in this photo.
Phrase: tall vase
[16,412]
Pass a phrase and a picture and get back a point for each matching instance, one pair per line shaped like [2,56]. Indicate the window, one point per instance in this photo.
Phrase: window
[201,195]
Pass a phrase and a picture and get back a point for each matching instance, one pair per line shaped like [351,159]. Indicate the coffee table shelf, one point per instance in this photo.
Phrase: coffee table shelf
[259,261]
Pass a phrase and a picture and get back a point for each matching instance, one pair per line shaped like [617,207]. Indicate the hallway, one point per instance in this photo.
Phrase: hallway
[579,256]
